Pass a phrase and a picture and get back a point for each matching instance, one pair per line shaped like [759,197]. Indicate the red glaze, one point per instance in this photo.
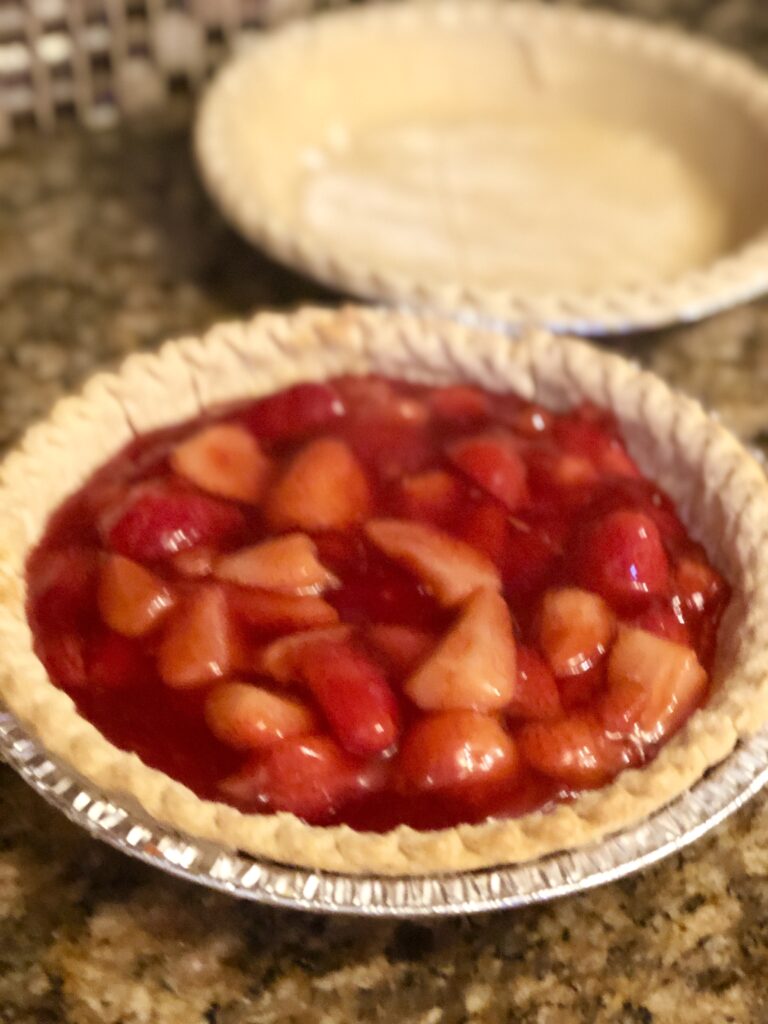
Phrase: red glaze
[554,500]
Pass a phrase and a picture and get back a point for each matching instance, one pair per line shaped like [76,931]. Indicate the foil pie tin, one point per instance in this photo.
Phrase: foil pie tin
[721,792]
[317,153]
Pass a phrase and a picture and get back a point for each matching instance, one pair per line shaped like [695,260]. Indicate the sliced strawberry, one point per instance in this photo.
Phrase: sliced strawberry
[394,445]
[323,488]
[366,396]
[536,695]
[454,752]
[697,585]
[282,658]
[200,641]
[653,685]
[284,613]
[565,473]
[473,666]
[249,717]
[62,586]
[433,497]
[310,776]
[623,492]
[354,695]
[575,630]
[132,600]
[402,647]
[621,556]
[295,412]
[574,750]
[524,418]
[661,619]
[157,520]
[450,568]
[591,440]
[115,661]
[225,460]
[494,464]
[197,563]
[287,564]
[387,430]
[459,404]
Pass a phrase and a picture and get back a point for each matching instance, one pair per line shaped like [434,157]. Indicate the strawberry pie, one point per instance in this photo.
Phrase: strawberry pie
[391,614]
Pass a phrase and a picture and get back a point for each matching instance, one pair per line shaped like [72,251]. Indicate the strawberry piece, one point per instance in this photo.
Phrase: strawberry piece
[114,662]
[653,685]
[494,464]
[524,418]
[157,520]
[402,647]
[225,460]
[295,412]
[323,488]
[391,446]
[459,404]
[197,563]
[284,613]
[287,564]
[622,557]
[575,629]
[282,658]
[566,473]
[473,666]
[249,717]
[536,695]
[132,600]
[592,441]
[449,567]
[573,750]
[434,497]
[62,586]
[63,655]
[697,586]
[388,430]
[200,641]
[456,752]
[354,695]
[661,619]
[374,401]
[310,776]
[624,493]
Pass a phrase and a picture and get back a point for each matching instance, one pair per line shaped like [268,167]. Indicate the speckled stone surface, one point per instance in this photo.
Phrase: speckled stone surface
[107,245]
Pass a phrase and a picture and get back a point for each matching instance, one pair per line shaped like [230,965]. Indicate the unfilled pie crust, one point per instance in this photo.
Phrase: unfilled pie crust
[528,163]
[720,492]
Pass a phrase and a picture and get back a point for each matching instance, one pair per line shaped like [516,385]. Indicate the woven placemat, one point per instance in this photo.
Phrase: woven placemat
[92,62]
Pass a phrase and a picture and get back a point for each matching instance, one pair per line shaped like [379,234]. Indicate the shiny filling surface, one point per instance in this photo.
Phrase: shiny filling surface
[375,603]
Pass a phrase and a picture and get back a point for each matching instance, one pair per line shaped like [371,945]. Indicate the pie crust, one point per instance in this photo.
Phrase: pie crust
[720,491]
[371,189]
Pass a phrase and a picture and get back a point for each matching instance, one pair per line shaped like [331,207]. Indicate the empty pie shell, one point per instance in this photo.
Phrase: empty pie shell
[720,492]
[516,163]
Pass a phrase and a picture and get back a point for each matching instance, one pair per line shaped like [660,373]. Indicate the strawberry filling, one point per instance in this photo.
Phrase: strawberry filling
[375,603]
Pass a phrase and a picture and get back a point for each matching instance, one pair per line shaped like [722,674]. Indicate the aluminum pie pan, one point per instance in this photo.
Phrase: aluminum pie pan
[112,819]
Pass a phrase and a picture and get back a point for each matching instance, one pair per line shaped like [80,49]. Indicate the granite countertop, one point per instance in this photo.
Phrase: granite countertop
[107,245]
